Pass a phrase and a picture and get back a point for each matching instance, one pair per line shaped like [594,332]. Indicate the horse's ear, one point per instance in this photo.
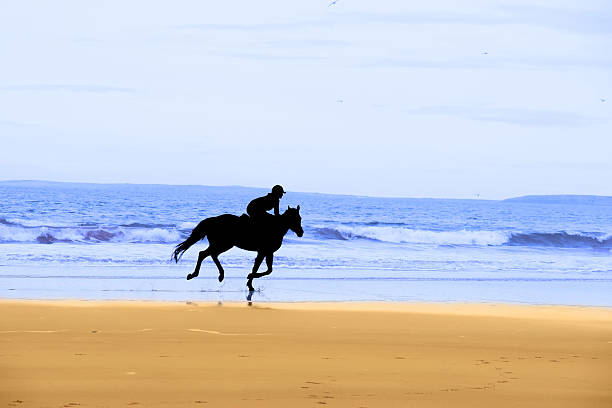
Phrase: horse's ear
[288,207]
[298,208]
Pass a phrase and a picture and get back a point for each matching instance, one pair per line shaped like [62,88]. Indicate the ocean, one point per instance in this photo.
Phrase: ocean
[114,241]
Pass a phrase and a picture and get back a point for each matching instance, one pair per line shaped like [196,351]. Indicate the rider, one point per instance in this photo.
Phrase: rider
[259,207]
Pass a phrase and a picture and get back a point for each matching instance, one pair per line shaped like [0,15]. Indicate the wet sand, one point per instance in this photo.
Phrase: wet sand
[84,353]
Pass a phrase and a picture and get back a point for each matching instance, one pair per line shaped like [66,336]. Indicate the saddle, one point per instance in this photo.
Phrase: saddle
[251,223]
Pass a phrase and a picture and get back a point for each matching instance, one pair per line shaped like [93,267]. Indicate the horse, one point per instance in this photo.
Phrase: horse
[264,236]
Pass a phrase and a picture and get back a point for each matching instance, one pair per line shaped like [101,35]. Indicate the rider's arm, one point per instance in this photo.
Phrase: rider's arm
[276,212]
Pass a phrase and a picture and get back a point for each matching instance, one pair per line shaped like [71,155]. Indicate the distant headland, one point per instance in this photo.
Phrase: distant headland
[563,199]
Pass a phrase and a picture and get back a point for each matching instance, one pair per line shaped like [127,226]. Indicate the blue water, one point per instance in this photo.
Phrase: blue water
[92,241]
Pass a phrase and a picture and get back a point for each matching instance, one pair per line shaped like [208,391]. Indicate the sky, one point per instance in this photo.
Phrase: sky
[488,99]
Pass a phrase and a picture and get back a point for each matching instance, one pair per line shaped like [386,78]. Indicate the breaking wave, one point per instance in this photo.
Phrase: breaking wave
[412,236]
[559,240]
[13,232]
[16,231]
[465,237]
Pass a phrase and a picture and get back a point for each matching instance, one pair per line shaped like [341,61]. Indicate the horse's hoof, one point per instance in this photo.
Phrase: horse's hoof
[221,278]
[189,277]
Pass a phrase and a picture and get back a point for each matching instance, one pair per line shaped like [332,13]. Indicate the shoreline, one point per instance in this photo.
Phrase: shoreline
[167,283]
[462,308]
[303,354]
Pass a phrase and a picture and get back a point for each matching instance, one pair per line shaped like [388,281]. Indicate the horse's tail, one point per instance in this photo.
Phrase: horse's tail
[197,234]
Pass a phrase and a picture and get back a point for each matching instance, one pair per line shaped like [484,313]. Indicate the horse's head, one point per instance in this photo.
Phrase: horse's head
[294,221]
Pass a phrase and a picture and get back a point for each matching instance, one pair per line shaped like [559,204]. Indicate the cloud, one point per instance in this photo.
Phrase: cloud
[514,116]
[67,87]
[358,18]
[563,19]
[426,18]
[11,123]
[577,20]
[308,43]
[480,61]
[270,57]
[295,25]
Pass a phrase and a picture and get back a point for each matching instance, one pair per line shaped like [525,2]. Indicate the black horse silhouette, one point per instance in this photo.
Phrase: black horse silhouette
[265,236]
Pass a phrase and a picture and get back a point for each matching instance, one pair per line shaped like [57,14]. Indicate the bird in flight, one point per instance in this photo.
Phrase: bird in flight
[332,3]
[485,53]
[603,100]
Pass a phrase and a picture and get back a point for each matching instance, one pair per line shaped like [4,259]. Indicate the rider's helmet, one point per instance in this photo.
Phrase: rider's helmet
[278,191]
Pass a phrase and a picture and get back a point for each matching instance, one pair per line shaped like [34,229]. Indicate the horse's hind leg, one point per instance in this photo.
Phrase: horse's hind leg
[215,258]
[201,256]
[217,250]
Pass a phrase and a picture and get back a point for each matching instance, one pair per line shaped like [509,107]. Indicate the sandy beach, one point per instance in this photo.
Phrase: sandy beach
[110,354]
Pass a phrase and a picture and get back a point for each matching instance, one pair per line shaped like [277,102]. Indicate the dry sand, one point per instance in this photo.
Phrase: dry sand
[114,354]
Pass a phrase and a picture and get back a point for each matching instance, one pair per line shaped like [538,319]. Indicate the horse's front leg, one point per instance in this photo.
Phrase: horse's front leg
[258,261]
[269,259]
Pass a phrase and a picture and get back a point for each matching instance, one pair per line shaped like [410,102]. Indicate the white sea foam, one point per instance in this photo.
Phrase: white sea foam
[10,233]
[187,225]
[148,235]
[48,235]
[415,236]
